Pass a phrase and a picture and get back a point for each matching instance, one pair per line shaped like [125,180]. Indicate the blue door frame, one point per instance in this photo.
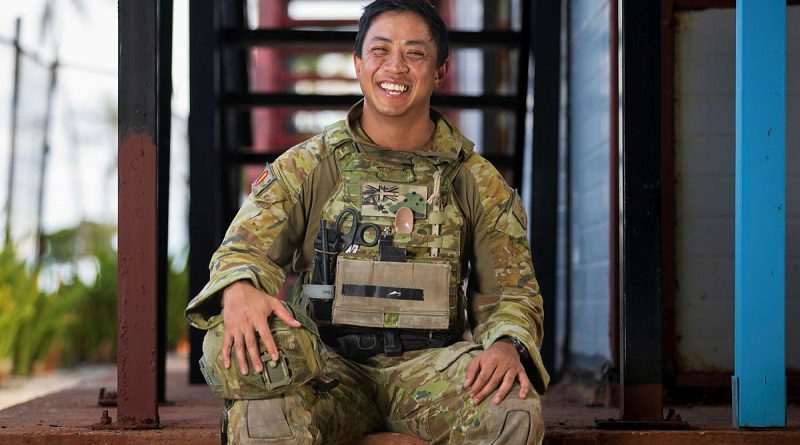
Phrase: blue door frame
[759,381]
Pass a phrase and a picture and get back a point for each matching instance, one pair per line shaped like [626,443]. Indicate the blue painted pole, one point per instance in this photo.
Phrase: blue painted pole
[759,381]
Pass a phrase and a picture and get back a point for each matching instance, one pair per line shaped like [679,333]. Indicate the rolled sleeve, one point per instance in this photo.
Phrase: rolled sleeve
[254,249]
[503,294]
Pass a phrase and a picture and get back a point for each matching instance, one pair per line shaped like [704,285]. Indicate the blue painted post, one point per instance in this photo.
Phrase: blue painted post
[759,382]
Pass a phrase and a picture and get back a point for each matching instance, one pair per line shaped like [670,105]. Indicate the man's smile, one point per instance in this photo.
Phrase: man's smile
[393,89]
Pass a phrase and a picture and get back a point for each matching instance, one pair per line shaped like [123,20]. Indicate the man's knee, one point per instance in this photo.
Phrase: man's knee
[277,420]
[299,363]
[513,421]
[522,422]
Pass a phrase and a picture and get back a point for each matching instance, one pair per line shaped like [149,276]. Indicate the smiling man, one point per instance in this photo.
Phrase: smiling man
[405,239]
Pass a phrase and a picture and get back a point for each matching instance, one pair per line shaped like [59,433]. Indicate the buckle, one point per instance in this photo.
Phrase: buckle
[391,343]
[276,373]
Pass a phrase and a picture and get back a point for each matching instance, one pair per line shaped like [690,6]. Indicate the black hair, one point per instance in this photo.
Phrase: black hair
[422,8]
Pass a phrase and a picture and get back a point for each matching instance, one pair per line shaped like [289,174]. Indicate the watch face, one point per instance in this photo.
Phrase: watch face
[519,346]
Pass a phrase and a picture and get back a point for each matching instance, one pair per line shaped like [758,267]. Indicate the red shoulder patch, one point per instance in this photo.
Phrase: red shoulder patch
[263,180]
[262,177]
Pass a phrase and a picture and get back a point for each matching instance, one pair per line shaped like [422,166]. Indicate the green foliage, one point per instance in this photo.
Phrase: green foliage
[177,299]
[93,337]
[76,322]
[90,334]
[19,296]
[31,322]
[42,331]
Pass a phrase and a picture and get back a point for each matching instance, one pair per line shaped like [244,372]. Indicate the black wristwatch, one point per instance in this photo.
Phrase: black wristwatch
[521,349]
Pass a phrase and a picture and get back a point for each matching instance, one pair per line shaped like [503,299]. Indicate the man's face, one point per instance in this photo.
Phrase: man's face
[397,71]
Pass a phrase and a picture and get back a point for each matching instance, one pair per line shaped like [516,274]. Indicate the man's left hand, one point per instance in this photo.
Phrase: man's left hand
[498,366]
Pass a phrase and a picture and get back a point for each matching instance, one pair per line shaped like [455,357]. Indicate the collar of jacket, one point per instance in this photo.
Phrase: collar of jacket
[448,141]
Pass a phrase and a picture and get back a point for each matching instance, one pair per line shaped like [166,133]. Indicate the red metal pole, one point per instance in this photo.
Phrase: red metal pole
[137,327]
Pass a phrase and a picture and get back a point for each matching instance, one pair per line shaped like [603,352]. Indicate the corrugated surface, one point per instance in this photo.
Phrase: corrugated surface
[588,141]
[704,145]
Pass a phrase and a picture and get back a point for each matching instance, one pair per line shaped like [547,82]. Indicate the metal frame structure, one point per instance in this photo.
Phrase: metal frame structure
[682,383]
[145,52]
[759,386]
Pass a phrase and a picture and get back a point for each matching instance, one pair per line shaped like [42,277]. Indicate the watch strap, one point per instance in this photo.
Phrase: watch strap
[519,346]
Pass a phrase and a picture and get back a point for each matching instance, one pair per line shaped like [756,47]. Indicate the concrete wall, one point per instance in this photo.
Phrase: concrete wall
[588,115]
[704,187]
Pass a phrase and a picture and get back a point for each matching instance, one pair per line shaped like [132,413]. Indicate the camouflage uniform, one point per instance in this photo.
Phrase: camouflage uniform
[421,391]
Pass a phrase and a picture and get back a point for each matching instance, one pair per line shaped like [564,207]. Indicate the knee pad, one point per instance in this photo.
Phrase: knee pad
[522,423]
[514,422]
[266,421]
[298,362]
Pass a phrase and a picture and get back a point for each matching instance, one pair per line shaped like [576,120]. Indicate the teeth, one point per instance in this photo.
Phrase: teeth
[393,88]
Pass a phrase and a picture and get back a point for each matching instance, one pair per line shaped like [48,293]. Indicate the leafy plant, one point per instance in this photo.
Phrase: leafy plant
[76,322]
[18,296]
[88,306]
[50,319]
[30,320]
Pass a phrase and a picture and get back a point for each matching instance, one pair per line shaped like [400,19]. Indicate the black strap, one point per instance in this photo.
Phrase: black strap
[358,344]
[389,292]
[391,343]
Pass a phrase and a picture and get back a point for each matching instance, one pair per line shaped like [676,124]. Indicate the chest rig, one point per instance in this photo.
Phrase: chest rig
[421,288]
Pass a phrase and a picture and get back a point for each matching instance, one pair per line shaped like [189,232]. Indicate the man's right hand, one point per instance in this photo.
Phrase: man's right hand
[245,312]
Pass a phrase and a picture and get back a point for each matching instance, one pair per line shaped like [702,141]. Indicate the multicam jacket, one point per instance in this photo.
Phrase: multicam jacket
[275,228]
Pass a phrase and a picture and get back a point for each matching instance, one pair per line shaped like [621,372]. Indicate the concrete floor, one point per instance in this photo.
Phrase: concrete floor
[191,416]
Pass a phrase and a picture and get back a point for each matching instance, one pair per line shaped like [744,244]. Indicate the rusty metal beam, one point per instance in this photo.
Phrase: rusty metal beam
[640,350]
[137,327]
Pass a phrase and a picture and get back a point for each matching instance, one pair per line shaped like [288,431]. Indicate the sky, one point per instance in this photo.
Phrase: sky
[80,176]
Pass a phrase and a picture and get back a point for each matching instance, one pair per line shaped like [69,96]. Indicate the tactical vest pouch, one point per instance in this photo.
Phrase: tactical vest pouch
[383,294]
[298,363]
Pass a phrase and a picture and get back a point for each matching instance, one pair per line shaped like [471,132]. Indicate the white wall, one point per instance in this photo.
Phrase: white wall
[589,181]
[705,49]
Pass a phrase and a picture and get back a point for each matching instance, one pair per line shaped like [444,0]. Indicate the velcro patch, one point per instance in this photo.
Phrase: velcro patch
[263,180]
[385,199]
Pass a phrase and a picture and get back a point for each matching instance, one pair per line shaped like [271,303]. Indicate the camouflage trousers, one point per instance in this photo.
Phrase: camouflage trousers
[419,393]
